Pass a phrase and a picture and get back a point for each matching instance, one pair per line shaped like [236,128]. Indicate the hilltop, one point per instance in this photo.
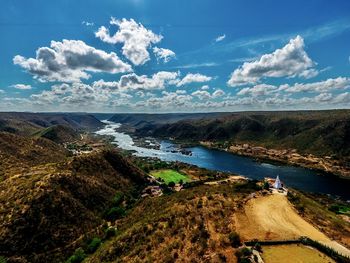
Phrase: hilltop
[58,134]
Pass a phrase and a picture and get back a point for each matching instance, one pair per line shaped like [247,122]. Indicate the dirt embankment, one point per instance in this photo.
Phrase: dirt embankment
[274,218]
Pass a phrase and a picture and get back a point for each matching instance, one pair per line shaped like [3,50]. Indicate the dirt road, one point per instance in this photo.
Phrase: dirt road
[272,217]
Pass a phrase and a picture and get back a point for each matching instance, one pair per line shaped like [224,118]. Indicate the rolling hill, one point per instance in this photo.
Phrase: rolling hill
[47,208]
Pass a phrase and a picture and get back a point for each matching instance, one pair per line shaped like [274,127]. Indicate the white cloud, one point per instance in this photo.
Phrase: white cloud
[190,78]
[136,39]
[22,86]
[258,90]
[86,23]
[289,61]
[321,86]
[69,61]
[157,81]
[205,95]
[198,65]
[2,91]
[218,93]
[205,87]
[133,81]
[202,94]
[220,38]
[165,54]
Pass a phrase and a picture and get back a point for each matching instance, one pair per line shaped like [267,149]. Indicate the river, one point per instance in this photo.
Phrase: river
[296,177]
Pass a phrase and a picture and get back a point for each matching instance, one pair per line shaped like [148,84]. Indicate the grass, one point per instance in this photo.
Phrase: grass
[169,175]
[301,253]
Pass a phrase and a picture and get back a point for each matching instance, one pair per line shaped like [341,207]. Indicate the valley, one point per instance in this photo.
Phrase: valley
[89,193]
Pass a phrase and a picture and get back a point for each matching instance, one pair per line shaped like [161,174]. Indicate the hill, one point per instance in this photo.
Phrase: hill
[18,153]
[26,123]
[48,207]
[317,132]
[58,134]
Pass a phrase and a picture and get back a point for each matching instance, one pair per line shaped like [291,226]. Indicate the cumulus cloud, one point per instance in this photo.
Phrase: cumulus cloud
[289,61]
[163,54]
[220,38]
[134,37]
[22,86]
[258,90]
[320,86]
[69,61]
[218,93]
[205,95]
[158,80]
[202,94]
[190,78]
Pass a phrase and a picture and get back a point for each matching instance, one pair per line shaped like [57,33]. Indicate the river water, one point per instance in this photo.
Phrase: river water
[300,178]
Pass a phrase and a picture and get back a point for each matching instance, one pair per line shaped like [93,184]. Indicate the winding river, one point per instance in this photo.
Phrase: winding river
[296,177]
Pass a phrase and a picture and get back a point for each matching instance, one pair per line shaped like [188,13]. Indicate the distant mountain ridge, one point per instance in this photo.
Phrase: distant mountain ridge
[25,123]
[316,132]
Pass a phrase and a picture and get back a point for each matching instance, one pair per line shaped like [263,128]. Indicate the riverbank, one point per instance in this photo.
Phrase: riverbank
[286,156]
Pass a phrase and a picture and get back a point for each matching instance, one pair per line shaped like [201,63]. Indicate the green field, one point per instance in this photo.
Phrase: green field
[169,175]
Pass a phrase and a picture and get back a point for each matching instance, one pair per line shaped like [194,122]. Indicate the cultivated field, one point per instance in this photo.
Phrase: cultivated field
[169,175]
[293,253]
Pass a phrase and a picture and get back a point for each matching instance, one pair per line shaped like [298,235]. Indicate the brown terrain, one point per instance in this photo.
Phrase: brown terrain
[272,217]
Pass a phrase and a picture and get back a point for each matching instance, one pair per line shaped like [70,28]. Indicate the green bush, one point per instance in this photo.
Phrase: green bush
[235,239]
[78,256]
[118,199]
[115,213]
[171,184]
[93,245]
[2,259]
[110,232]
[266,186]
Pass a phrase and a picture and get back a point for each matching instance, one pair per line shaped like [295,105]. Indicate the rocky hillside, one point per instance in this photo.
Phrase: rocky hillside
[18,153]
[58,134]
[45,209]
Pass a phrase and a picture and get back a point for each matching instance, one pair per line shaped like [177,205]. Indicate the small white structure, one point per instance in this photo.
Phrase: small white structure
[277,184]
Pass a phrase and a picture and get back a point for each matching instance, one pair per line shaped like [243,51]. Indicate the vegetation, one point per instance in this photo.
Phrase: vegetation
[186,225]
[235,240]
[62,202]
[316,210]
[170,176]
[78,256]
[317,132]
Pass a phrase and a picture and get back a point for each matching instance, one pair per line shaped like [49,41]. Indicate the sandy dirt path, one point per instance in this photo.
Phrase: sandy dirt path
[272,217]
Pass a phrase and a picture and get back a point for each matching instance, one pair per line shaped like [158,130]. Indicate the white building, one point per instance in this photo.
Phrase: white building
[277,184]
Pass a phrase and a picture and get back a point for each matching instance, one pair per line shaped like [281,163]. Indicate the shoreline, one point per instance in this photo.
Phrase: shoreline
[287,157]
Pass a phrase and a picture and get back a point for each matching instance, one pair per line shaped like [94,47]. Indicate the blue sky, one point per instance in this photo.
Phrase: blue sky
[174,56]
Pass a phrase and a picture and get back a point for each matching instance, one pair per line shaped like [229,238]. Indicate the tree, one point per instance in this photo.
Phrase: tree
[235,239]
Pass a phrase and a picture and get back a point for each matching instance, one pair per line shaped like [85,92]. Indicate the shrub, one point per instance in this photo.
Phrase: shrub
[171,184]
[235,239]
[118,198]
[110,232]
[266,186]
[78,256]
[115,213]
[3,259]
[93,245]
